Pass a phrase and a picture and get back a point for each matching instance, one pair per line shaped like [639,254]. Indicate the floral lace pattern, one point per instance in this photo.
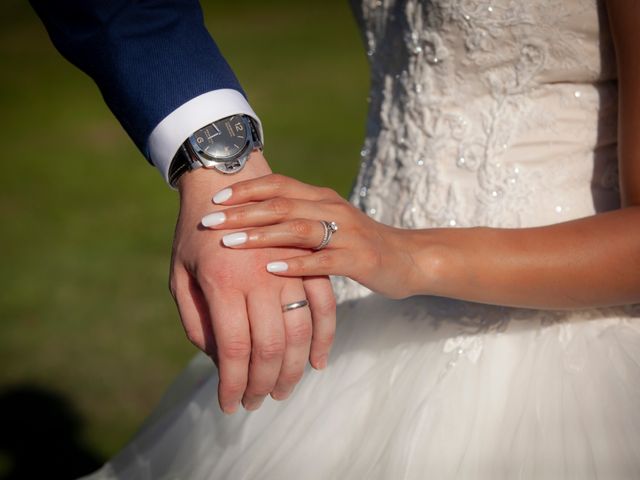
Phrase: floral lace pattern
[457,86]
[497,113]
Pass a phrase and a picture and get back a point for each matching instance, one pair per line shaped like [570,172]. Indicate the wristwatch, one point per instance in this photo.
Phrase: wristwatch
[224,145]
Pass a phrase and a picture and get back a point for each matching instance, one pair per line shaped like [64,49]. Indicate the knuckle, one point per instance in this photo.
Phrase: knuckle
[277,181]
[324,260]
[329,193]
[194,337]
[325,307]
[234,388]
[258,390]
[238,214]
[290,377]
[207,280]
[325,340]
[269,351]
[299,333]
[240,189]
[173,288]
[296,266]
[211,277]
[343,209]
[280,206]
[236,349]
[301,229]
[258,236]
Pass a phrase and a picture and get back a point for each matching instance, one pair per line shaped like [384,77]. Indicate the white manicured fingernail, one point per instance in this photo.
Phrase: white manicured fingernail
[275,267]
[233,239]
[222,196]
[213,219]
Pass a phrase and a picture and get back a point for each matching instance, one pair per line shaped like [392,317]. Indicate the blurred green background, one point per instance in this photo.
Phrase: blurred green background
[89,336]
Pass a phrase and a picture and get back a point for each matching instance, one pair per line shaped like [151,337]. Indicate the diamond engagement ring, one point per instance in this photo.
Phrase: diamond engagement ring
[329,229]
[294,305]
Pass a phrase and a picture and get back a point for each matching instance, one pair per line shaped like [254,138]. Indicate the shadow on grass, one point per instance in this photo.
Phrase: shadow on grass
[40,436]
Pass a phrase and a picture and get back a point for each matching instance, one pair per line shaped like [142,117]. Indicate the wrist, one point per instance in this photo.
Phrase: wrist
[201,184]
[401,252]
[207,108]
[433,262]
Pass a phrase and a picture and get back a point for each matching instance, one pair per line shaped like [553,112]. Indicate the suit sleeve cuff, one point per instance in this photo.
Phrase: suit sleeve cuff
[175,128]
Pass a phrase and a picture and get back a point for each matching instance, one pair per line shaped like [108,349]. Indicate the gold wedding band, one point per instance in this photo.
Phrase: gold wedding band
[294,305]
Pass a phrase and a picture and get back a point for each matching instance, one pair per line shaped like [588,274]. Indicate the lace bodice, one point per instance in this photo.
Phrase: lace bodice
[498,113]
[494,113]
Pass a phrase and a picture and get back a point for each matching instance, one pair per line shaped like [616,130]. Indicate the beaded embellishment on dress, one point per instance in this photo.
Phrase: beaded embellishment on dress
[457,86]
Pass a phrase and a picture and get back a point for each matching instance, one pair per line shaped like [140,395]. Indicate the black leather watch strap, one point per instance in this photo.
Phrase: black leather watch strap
[180,164]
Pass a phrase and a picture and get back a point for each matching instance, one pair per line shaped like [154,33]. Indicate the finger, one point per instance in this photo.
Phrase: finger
[325,262]
[297,326]
[270,186]
[231,328]
[193,311]
[323,313]
[275,210]
[267,345]
[302,233]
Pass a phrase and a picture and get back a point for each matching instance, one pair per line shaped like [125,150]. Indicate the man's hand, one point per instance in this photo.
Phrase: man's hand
[231,308]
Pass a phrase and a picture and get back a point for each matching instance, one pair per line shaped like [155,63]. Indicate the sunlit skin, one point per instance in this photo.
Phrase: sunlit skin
[231,308]
[590,262]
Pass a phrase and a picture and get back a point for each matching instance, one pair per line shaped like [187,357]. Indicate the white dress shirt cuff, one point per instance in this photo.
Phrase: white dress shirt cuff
[176,127]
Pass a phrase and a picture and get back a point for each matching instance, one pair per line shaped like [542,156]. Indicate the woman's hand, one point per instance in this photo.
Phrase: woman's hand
[289,214]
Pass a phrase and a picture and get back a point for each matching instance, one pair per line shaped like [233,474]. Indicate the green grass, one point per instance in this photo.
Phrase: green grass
[85,313]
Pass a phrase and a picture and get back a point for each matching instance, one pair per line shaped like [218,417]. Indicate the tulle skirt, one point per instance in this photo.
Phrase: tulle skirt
[420,388]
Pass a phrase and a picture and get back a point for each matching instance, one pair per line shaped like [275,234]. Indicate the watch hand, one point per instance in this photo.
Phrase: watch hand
[209,136]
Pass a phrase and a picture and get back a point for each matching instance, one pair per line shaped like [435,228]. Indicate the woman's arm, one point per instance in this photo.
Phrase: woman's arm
[589,262]
[594,261]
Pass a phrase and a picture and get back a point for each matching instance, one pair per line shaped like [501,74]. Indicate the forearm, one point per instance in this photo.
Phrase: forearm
[588,262]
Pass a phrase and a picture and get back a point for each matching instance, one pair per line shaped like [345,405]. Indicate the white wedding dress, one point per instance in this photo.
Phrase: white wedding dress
[499,113]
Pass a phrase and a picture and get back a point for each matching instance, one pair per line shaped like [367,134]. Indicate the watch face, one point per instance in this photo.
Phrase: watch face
[223,139]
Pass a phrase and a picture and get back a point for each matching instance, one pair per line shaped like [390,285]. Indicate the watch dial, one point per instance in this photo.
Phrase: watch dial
[222,139]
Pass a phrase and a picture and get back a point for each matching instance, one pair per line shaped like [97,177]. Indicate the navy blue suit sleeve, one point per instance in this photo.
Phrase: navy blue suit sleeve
[148,57]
